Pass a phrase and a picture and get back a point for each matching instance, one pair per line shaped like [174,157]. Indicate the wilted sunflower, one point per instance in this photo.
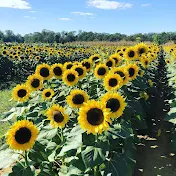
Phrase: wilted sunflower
[87,64]
[76,98]
[68,65]
[141,48]
[122,72]
[112,82]
[57,116]
[94,117]
[131,53]
[133,70]
[70,77]
[57,70]
[116,58]
[80,70]
[21,93]
[35,82]
[22,135]
[101,71]
[115,102]
[44,71]
[96,58]
[47,94]
[110,62]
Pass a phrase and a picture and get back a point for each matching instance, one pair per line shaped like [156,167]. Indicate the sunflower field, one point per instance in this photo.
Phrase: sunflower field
[80,108]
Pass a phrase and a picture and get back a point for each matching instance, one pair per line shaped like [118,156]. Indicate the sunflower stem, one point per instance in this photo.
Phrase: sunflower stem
[26,158]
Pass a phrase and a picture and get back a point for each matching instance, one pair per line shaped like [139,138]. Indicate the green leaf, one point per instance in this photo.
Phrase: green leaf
[46,169]
[171,116]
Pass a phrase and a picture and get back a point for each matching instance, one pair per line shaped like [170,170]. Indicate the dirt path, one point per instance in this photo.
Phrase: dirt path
[155,157]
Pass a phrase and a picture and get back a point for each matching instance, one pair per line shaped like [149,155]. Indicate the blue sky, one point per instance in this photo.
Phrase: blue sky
[111,16]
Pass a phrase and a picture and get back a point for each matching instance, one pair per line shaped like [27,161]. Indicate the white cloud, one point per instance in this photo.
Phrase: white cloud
[64,19]
[145,5]
[32,11]
[16,4]
[83,13]
[33,18]
[106,4]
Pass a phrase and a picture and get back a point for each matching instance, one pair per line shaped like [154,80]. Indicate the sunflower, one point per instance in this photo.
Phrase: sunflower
[112,82]
[37,57]
[70,77]
[87,64]
[133,70]
[57,70]
[57,116]
[22,135]
[141,73]
[96,58]
[76,98]
[44,70]
[5,52]
[131,53]
[80,70]
[101,71]
[141,48]
[110,62]
[68,65]
[21,93]
[122,72]
[116,59]
[144,61]
[150,82]
[35,82]
[94,117]
[115,102]
[47,94]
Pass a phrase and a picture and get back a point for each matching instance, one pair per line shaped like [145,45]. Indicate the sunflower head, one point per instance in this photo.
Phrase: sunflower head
[141,48]
[47,94]
[131,53]
[76,98]
[116,59]
[87,64]
[101,71]
[70,77]
[57,70]
[96,59]
[80,70]
[94,117]
[21,93]
[113,82]
[133,71]
[115,102]
[68,65]
[57,116]
[22,135]
[110,63]
[35,82]
[44,71]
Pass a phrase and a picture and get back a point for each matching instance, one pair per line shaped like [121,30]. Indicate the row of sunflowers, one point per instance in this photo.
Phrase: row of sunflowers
[82,117]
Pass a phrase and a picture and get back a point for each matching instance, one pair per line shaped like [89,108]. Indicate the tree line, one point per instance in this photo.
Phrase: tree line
[47,36]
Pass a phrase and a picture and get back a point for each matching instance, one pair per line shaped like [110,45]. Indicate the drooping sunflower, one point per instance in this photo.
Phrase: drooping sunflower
[87,64]
[94,117]
[80,70]
[122,72]
[131,53]
[133,70]
[112,82]
[96,59]
[141,48]
[57,70]
[21,93]
[70,77]
[115,102]
[76,98]
[47,94]
[35,82]
[101,71]
[68,65]
[57,116]
[44,71]
[22,135]
[110,62]
[116,58]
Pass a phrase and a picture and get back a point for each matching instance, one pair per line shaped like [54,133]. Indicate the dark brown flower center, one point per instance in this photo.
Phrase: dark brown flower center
[101,71]
[35,83]
[113,104]
[69,66]
[95,59]
[23,135]
[79,71]
[78,99]
[109,63]
[115,59]
[131,53]
[44,72]
[86,64]
[131,72]
[113,82]
[141,50]
[58,117]
[95,116]
[71,77]
[57,71]
[121,74]
[48,94]
[22,93]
